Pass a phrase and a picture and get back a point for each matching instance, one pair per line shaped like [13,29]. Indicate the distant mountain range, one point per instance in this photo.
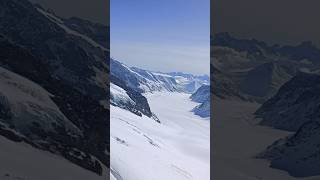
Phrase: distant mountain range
[262,51]
[147,81]
[253,70]
[129,83]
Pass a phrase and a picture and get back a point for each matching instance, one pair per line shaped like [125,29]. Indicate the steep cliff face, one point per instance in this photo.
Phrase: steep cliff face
[71,68]
[129,99]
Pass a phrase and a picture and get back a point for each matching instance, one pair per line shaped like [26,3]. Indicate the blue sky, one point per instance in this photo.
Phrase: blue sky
[161,35]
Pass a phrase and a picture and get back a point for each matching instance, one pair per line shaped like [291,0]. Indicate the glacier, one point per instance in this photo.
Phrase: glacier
[177,148]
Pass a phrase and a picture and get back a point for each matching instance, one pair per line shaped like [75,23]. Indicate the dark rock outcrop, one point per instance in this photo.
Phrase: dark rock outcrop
[38,46]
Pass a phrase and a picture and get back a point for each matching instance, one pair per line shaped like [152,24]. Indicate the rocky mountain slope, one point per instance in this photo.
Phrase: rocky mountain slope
[202,95]
[295,108]
[296,103]
[298,154]
[123,96]
[69,70]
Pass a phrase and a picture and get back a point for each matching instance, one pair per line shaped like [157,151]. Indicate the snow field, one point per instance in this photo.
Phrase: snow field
[177,149]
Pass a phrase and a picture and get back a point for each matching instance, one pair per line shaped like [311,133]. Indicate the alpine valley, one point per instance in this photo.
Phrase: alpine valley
[265,109]
[160,127]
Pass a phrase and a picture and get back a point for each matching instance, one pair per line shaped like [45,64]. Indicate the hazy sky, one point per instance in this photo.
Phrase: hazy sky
[161,35]
[275,21]
[94,10]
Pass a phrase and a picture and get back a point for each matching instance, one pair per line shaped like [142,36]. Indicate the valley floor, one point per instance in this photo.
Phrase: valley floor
[177,149]
[237,139]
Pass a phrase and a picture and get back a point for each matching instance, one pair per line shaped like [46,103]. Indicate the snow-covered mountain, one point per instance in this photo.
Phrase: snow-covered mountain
[125,97]
[147,81]
[59,73]
[203,110]
[296,103]
[188,82]
[29,116]
[202,95]
[142,80]
[29,109]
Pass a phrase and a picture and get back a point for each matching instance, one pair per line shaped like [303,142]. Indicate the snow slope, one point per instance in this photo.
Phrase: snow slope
[119,95]
[178,148]
[29,104]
